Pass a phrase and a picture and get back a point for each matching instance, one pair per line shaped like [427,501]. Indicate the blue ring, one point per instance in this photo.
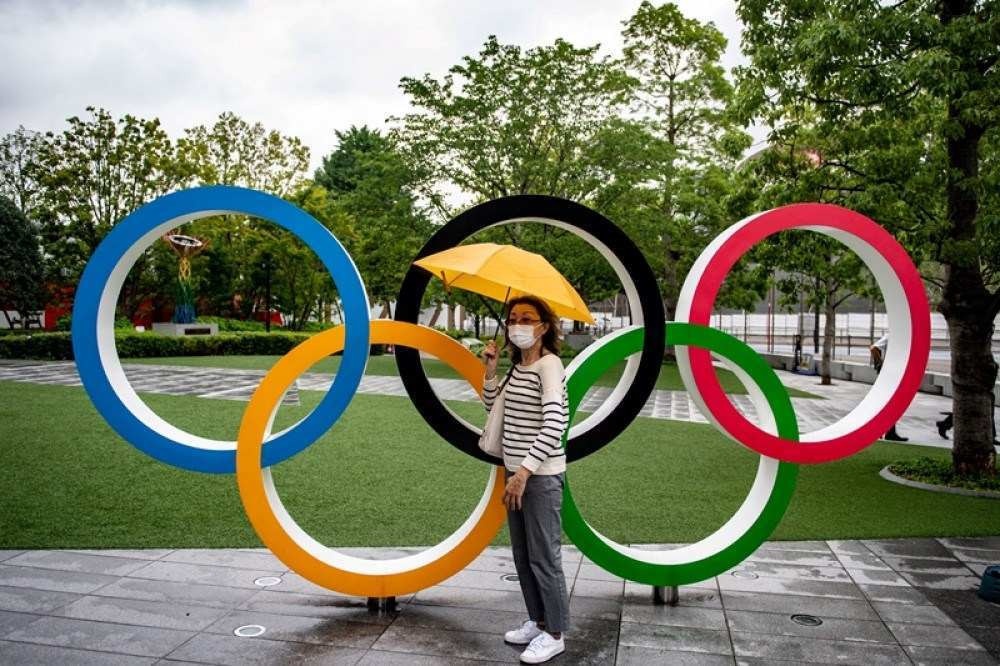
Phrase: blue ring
[192,204]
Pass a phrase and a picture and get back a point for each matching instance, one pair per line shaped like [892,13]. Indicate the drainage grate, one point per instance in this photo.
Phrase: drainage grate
[249,631]
[743,573]
[510,578]
[807,620]
[267,581]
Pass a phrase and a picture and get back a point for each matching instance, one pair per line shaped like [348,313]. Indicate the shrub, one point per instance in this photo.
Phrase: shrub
[226,324]
[58,346]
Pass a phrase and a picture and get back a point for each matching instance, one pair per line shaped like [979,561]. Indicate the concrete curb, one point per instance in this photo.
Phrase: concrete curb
[889,476]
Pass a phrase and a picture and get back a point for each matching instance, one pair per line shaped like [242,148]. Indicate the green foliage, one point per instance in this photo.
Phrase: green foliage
[22,282]
[940,473]
[229,325]
[58,346]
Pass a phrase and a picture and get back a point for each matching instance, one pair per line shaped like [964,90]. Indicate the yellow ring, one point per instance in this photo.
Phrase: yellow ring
[318,563]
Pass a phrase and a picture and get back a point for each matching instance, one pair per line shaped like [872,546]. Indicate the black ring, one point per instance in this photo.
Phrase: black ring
[580,218]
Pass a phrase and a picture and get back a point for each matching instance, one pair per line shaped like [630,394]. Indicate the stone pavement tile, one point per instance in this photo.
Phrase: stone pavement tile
[101,636]
[920,547]
[52,579]
[807,546]
[7,554]
[977,554]
[942,581]
[848,547]
[593,572]
[978,617]
[353,609]
[227,558]
[29,654]
[9,621]
[789,604]
[497,622]
[933,656]
[386,658]
[857,561]
[177,593]
[764,569]
[492,580]
[917,614]
[682,639]
[179,572]
[926,565]
[802,558]
[293,582]
[978,568]
[932,636]
[893,593]
[71,561]
[145,613]
[675,616]
[633,655]
[992,542]
[780,624]
[830,589]
[704,597]
[601,589]
[234,651]
[814,650]
[328,631]
[141,554]
[497,563]
[27,600]
[877,577]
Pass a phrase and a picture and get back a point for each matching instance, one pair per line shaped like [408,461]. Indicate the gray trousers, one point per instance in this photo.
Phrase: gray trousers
[535,538]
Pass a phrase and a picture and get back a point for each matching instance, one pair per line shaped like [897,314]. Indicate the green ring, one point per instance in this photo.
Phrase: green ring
[712,564]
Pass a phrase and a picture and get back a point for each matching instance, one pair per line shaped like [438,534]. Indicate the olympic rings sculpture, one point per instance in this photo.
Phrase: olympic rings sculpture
[256,449]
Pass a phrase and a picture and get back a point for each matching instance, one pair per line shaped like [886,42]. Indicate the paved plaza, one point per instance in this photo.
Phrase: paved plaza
[227,384]
[868,602]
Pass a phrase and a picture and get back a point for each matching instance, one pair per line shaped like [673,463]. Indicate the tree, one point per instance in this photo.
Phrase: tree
[18,175]
[92,175]
[906,95]
[682,97]
[22,283]
[511,121]
[371,185]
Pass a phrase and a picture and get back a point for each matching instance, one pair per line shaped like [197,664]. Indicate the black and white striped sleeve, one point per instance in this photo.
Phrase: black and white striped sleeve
[555,417]
[490,392]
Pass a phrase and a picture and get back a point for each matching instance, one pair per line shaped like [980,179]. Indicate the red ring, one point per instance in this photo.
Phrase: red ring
[703,301]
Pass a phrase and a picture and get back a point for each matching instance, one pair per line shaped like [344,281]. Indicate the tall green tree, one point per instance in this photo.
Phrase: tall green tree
[90,176]
[682,98]
[372,186]
[22,281]
[907,97]
[18,172]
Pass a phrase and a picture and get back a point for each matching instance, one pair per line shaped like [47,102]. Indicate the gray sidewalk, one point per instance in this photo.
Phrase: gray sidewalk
[227,384]
[876,602]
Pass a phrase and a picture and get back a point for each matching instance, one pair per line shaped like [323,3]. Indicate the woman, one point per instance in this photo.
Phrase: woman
[535,418]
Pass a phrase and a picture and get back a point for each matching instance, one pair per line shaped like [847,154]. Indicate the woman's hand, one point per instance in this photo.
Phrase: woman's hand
[490,359]
[514,490]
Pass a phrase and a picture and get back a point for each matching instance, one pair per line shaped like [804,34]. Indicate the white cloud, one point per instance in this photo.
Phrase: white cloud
[304,68]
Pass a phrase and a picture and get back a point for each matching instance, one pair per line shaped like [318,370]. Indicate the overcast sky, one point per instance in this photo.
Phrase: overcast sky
[304,68]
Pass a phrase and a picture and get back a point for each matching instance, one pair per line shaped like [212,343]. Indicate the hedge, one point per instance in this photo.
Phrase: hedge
[59,347]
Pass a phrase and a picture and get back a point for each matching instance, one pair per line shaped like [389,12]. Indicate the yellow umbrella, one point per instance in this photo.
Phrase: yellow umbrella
[502,272]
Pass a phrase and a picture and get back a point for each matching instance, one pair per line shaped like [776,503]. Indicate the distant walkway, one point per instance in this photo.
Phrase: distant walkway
[229,384]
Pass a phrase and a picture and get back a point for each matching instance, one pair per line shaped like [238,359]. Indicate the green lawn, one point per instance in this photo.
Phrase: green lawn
[669,379]
[381,477]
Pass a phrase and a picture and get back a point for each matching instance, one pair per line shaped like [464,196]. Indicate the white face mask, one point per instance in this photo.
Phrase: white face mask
[522,335]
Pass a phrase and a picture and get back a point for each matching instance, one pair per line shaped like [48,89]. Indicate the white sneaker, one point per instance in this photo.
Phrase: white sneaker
[524,635]
[542,648]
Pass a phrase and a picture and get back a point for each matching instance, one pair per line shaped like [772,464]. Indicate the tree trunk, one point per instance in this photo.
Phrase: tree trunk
[829,333]
[435,315]
[969,308]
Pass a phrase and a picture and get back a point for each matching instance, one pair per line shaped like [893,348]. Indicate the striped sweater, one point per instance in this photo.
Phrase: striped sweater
[535,415]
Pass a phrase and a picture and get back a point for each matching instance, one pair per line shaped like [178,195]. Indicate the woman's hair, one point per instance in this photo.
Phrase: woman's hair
[550,339]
